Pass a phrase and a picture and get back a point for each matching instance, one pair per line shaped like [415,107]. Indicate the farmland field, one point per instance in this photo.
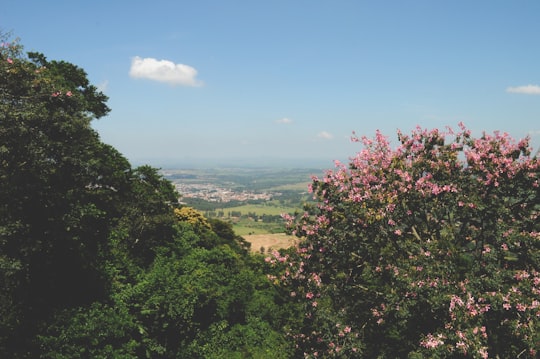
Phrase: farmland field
[245,226]
[267,242]
[263,209]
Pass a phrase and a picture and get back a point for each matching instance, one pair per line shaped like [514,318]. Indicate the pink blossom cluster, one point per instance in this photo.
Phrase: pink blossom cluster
[59,93]
[409,219]
[432,341]
[6,45]
[37,83]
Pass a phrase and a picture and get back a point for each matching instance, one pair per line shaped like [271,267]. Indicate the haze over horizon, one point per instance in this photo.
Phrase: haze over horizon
[278,82]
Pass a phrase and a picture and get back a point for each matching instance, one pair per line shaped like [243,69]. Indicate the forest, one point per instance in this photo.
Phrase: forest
[426,250]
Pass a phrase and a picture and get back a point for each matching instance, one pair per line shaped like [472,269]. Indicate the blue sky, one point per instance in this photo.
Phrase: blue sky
[290,80]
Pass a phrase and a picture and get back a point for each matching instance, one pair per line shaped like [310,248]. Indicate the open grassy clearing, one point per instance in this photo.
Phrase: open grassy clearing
[301,187]
[248,231]
[260,209]
[270,241]
[247,227]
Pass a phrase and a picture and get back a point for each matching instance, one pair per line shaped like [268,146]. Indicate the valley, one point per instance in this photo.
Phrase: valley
[251,199]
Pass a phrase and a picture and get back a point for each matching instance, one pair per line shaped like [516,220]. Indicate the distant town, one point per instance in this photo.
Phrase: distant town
[228,185]
[213,193]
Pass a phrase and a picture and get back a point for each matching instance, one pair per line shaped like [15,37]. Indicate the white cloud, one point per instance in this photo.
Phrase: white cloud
[528,89]
[163,71]
[103,86]
[325,135]
[284,120]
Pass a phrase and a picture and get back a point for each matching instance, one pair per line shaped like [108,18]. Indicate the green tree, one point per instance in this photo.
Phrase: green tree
[147,218]
[429,249]
[224,230]
[96,258]
[95,331]
[58,192]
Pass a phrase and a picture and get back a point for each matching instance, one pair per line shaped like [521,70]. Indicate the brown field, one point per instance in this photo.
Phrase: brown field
[269,241]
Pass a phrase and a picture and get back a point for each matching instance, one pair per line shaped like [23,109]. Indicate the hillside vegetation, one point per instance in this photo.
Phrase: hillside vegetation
[430,249]
[98,259]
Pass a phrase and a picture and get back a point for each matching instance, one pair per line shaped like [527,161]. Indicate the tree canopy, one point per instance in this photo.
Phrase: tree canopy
[60,187]
[97,259]
[429,249]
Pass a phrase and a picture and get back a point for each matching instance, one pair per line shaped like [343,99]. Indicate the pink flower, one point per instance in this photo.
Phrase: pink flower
[461,345]
[431,341]
[69,94]
[9,60]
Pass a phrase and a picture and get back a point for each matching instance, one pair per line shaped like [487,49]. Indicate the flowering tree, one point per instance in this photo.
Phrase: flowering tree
[193,217]
[430,249]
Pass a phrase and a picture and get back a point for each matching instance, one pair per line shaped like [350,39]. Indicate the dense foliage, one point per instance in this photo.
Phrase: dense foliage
[97,259]
[430,249]
[59,193]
